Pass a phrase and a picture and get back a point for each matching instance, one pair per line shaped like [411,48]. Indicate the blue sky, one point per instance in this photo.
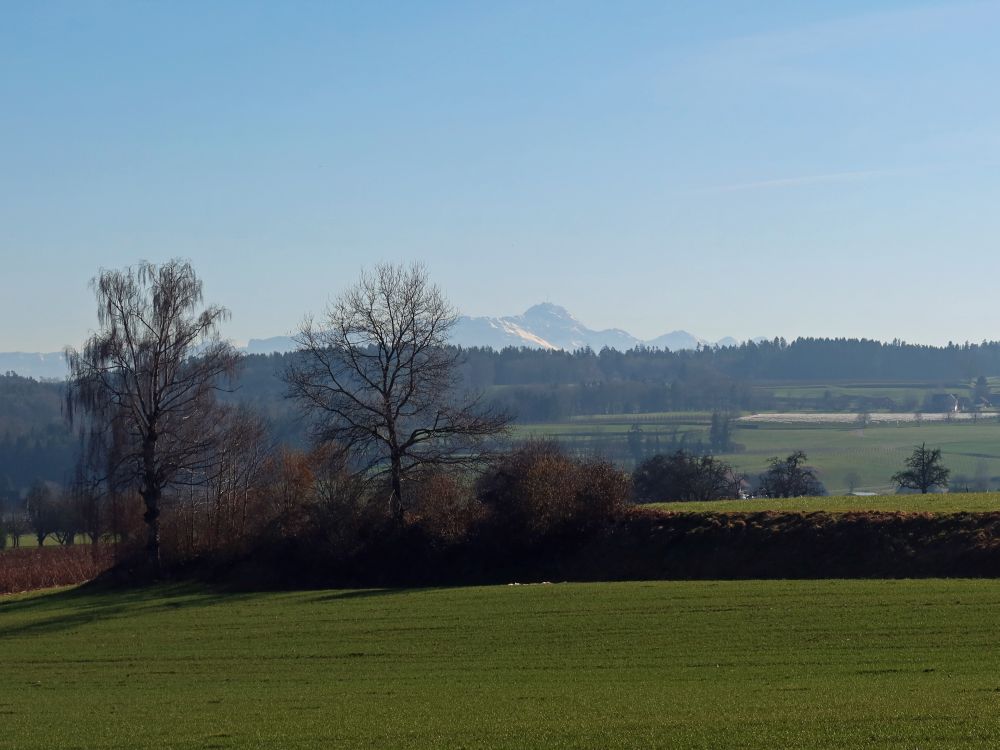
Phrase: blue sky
[730,168]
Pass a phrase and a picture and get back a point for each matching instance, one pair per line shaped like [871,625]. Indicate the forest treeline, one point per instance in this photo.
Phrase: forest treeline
[542,386]
[546,386]
[804,359]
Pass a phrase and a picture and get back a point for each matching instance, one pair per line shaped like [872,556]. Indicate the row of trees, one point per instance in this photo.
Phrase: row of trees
[62,514]
[389,411]
[684,476]
[260,489]
[374,376]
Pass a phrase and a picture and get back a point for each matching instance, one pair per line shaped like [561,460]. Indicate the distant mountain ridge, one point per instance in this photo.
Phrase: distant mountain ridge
[542,326]
[549,326]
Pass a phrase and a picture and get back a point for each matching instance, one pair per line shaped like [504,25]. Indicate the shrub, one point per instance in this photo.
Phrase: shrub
[444,505]
[790,477]
[344,513]
[540,490]
[684,476]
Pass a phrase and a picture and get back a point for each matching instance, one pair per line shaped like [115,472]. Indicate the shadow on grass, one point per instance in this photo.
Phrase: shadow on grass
[340,595]
[44,613]
[356,594]
[80,606]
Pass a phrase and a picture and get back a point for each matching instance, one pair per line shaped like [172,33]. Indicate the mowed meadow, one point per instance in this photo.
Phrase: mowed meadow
[752,664]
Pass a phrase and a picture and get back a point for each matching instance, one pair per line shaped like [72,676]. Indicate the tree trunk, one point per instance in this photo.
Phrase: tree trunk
[396,500]
[151,497]
[151,492]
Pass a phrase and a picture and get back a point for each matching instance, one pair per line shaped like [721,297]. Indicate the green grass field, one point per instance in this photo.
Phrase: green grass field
[952,502]
[28,541]
[897,390]
[804,664]
[875,452]
[970,449]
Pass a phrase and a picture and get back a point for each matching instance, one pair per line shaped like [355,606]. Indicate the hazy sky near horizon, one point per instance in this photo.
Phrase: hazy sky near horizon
[729,168]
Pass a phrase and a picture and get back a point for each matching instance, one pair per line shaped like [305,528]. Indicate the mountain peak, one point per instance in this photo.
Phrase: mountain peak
[551,326]
[548,310]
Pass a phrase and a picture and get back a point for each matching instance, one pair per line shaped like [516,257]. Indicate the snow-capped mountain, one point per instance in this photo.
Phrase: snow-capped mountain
[548,326]
[557,326]
[496,333]
[544,326]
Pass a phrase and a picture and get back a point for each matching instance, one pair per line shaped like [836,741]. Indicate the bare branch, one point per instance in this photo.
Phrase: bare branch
[379,378]
[145,381]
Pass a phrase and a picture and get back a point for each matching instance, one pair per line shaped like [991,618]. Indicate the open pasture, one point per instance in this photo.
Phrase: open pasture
[805,664]
[874,453]
[909,394]
[838,451]
[891,389]
[846,418]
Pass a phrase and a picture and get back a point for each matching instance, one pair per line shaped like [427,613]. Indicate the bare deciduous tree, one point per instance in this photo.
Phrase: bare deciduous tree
[147,379]
[684,476]
[381,381]
[791,477]
[42,511]
[243,454]
[17,525]
[924,470]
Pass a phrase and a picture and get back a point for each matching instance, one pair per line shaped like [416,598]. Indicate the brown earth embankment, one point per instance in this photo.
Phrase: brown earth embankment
[645,544]
[652,544]
[637,544]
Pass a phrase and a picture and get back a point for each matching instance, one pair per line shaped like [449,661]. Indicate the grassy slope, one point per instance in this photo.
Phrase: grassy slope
[845,664]
[956,502]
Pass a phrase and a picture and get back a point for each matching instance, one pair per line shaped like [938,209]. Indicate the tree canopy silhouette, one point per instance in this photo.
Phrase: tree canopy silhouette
[146,382]
[924,470]
[381,382]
